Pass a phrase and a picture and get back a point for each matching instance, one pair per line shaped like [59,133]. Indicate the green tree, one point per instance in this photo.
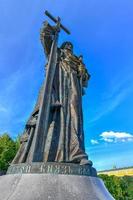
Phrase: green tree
[8,149]
[119,187]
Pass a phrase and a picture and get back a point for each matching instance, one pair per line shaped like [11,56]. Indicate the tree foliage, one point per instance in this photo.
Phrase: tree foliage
[8,149]
[120,187]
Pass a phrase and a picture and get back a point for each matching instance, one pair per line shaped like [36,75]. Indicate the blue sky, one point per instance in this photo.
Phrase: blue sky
[103,32]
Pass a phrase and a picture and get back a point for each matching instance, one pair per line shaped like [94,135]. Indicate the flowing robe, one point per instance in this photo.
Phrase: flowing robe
[65,136]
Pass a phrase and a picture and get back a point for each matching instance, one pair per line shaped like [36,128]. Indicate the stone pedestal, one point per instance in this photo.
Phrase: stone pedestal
[52,181]
[52,187]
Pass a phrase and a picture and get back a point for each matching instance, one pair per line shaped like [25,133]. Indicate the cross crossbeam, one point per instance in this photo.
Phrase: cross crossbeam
[57,21]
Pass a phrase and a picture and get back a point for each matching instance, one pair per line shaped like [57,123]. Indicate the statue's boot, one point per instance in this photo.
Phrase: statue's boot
[86,162]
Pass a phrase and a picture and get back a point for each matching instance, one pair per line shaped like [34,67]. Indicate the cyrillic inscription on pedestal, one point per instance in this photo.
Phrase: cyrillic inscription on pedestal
[54,168]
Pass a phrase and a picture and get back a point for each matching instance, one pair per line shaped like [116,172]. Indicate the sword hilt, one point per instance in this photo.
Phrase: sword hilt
[56,21]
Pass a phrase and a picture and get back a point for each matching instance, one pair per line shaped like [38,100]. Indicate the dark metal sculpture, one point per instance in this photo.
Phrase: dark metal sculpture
[54,131]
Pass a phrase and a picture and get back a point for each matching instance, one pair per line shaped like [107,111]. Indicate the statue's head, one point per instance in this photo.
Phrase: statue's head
[68,46]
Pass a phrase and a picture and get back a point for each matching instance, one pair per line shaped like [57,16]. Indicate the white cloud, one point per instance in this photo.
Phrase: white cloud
[94,141]
[108,140]
[111,136]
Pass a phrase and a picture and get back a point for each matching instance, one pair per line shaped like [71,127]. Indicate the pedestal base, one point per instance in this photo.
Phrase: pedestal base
[52,187]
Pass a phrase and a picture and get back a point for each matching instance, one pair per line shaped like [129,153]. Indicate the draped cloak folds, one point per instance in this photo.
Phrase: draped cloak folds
[65,136]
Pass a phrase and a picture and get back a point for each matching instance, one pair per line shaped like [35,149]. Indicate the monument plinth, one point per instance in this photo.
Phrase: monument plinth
[51,162]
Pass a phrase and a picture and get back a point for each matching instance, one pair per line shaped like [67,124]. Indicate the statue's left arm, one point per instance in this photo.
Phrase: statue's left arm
[86,77]
[84,74]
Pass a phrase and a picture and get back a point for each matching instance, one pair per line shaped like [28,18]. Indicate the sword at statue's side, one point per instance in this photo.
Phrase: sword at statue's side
[43,117]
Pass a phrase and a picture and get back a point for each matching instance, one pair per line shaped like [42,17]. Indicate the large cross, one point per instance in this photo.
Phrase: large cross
[43,117]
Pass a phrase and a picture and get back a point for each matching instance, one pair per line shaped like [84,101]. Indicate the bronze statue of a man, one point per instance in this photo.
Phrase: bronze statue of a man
[64,140]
